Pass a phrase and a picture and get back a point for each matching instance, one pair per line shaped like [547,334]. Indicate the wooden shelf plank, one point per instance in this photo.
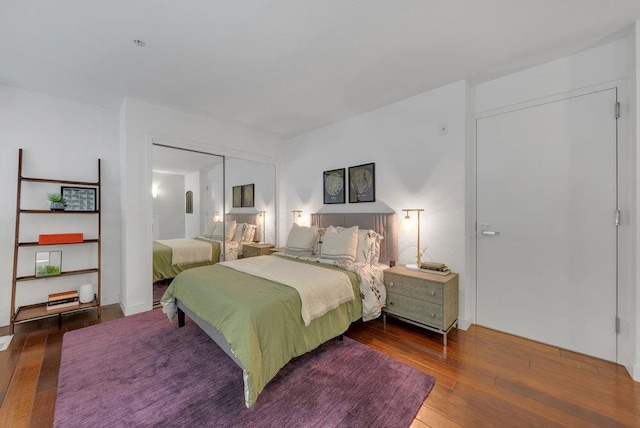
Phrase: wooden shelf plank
[67,273]
[22,211]
[39,311]
[51,180]
[35,244]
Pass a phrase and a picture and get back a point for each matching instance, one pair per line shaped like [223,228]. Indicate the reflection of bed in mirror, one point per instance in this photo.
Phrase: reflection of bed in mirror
[172,256]
[245,303]
[250,222]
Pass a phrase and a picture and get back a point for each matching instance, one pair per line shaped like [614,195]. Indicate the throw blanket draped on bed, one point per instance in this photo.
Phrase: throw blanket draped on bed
[318,293]
[187,251]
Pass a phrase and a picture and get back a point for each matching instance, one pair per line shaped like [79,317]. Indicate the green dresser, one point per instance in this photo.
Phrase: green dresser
[427,300]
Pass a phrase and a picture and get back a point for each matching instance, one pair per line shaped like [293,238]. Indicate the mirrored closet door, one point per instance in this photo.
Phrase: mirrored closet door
[188,197]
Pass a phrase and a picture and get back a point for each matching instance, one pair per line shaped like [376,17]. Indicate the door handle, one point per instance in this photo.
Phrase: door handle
[490,232]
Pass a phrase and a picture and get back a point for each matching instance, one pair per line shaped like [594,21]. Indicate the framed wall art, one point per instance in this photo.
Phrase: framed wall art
[79,198]
[237,196]
[247,195]
[333,186]
[362,183]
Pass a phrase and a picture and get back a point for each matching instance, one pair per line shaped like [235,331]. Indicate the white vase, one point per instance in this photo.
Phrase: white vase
[86,293]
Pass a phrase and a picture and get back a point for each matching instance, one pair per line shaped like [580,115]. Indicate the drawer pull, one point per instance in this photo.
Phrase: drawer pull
[390,283]
[433,293]
[391,303]
[433,315]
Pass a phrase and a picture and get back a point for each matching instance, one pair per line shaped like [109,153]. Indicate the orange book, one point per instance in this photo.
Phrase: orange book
[63,295]
[60,238]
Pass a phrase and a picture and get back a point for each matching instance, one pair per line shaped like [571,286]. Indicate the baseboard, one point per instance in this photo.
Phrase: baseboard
[5,341]
[135,309]
[464,324]
[625,359]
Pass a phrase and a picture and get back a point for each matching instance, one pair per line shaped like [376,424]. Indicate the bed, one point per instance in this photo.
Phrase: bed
[172,256]
[261,323]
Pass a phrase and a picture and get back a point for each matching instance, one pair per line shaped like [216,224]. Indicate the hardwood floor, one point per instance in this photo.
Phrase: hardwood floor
[483,378]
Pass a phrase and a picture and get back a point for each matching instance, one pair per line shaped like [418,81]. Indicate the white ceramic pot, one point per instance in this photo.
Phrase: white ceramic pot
[86,293]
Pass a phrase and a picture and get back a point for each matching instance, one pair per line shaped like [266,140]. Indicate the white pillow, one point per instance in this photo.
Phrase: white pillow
[239,232]
[228,229]
[249,232]
[209,228]
[368,246]
[301,241]
[340,244]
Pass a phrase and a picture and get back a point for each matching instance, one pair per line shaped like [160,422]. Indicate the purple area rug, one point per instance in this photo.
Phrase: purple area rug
[143,370]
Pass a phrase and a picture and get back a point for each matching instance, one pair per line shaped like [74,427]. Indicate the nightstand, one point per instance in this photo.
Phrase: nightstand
[255,249]
[423,299]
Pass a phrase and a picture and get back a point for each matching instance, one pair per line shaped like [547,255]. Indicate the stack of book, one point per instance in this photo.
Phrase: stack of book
[436,268]
[66,299]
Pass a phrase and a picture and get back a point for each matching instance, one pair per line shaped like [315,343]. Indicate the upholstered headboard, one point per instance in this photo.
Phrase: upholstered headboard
[249,218]
[386,224]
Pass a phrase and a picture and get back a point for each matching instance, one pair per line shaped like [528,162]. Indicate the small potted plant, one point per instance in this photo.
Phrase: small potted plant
[57,201]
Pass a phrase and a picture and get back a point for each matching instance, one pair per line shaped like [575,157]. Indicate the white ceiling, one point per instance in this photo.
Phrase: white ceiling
[285,66]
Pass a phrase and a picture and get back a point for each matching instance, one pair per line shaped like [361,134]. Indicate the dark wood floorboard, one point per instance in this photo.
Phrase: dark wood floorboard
[484,378]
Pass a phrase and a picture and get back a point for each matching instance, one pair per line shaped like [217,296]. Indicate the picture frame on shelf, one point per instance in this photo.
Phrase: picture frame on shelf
[80,198]
[333,186]
[362,183]
[48,263]
[247,196]
[237,196]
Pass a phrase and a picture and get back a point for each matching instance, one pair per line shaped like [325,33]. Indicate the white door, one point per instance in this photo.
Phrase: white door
[546,234]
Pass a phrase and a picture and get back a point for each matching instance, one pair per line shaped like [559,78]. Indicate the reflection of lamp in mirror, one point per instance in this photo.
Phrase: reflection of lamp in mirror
[263,216]
[154,190]
[407,217]
[216,216]
[297,216]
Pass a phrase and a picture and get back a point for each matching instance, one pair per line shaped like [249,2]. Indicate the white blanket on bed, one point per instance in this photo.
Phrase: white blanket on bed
[187,251]
[320,289]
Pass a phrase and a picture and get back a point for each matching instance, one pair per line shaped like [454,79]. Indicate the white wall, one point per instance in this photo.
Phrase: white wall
[63,140]
[169,204]
[140,125]
[599,68]
[215,180]
[263,176]
[416,167]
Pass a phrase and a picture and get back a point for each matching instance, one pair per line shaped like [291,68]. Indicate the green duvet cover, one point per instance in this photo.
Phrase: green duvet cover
[162,267]
[260,319]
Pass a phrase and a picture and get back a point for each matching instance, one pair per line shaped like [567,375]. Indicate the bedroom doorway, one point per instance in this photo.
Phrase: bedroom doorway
[546,229]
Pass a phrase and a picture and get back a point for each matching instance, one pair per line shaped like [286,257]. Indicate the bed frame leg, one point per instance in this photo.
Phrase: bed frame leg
[180,318]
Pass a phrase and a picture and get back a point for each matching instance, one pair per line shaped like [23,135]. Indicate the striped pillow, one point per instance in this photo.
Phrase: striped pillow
[340,244]
[301,241]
